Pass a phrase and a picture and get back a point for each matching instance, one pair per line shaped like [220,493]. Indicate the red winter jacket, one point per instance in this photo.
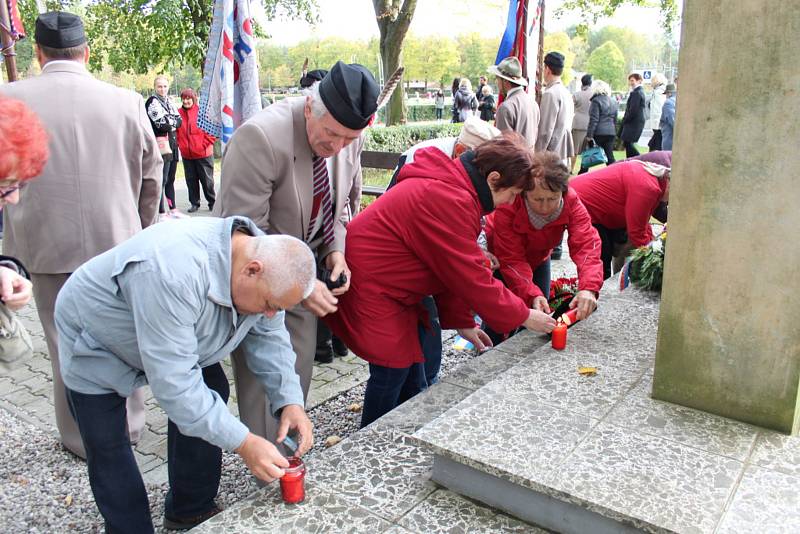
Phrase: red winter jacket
[193,142]
[419,239]
[622,195]
[521,248]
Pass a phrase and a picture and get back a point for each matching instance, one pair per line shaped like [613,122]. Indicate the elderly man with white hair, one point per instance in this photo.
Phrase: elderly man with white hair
[292,169]
[165,308]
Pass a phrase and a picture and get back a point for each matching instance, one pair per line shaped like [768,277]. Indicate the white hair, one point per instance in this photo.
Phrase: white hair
[465,84]
[318,109]
[601,88]
[288,263]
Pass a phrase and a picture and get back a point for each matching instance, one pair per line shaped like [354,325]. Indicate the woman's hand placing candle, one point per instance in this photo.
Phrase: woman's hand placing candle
[538,321]
[585,302]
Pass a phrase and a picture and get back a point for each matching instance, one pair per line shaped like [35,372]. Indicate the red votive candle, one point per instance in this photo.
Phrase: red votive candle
[559,340]
[570,317]
[293,481]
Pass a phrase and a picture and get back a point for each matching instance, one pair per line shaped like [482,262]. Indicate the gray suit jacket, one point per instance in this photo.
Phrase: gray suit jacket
[102,182]
[582,100]
[267,176]
[519,112]
[555,126]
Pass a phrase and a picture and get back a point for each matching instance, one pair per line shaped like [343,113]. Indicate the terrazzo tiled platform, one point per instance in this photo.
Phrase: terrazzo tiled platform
[595,454]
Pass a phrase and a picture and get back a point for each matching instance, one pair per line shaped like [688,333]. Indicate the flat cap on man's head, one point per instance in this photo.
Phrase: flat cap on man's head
[311,77]
[554,59]
[59,29]
[350,94]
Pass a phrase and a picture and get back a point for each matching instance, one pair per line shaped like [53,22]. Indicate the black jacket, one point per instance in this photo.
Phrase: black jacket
[633,121]
[602,116]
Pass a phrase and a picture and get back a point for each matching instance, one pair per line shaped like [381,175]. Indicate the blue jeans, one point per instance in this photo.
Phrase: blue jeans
[431,341]
[194,465]
[389,387]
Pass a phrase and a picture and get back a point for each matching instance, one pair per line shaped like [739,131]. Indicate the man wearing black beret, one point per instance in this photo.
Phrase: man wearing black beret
[101,185]
[291,169]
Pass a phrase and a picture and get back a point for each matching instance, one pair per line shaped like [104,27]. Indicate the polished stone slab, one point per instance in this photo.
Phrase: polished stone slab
[424,408]
[766,501]
[778,452]
[483,369]
[321,512]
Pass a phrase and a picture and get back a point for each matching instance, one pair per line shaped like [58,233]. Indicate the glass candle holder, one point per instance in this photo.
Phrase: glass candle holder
[293,488]
[559,339]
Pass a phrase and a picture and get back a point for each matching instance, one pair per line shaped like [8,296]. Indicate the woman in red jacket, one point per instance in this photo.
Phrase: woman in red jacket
[419,239]
[522,236]
[197,151]
[620,199]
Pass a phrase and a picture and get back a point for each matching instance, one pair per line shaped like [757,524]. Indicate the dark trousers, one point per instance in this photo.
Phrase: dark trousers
[200,173]
[439,113]
[194,465]
[608,239]
[168,184]
[630,149]
[655,141]
[431,341]
[541,277]
[389,387]
[606,142]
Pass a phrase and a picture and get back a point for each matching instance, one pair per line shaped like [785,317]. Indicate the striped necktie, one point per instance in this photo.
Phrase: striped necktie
[322,202]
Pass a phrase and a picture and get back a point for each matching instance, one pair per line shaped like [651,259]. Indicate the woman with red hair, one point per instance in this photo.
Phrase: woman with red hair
[23,154]
[418,239]
[197,151]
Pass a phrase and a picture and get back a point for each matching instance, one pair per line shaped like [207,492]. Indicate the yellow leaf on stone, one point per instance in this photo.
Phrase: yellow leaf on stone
[332,440]
[355,407]
[68,500]
[587,371]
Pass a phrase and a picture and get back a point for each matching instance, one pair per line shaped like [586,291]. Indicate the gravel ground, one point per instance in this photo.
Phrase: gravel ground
[44,489]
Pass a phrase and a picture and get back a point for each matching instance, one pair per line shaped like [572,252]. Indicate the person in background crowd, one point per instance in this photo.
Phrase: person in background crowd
[169,305]
[101,185]
[602,128]
[667,121]
[633,120]
[620,199]
[197,152]
[522,236]
[438,104]
[454,90]
[312,77]
[519,112]
[418,239]
[487,105]
[292,169]
[23,154]
[165,120]
[657,98]
[557,111]
[464,100]
[580,122]
[479,92]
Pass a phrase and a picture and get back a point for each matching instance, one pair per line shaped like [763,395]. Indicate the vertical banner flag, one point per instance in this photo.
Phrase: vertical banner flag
[230,93]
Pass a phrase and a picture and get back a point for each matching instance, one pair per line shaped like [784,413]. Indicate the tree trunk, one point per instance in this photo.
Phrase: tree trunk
[393,18]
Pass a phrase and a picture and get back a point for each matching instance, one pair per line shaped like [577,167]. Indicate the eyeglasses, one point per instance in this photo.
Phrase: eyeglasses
[6,191]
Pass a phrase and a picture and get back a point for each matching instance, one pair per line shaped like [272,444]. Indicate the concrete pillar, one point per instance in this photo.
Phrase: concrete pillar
[729,330]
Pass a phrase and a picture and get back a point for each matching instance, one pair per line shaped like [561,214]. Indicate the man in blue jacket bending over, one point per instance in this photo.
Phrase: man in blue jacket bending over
[164,308]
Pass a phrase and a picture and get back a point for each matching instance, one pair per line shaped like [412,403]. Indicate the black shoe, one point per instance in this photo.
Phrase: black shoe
[339,348]
[211,207]
[190,522]
[324,355]
[193,208]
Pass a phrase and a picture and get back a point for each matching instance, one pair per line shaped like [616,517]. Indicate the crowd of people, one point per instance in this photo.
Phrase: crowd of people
[286,263]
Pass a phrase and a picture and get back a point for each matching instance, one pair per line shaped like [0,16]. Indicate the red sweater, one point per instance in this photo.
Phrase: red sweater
[521,248]
[193,142]
[419,239]
[622,195]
